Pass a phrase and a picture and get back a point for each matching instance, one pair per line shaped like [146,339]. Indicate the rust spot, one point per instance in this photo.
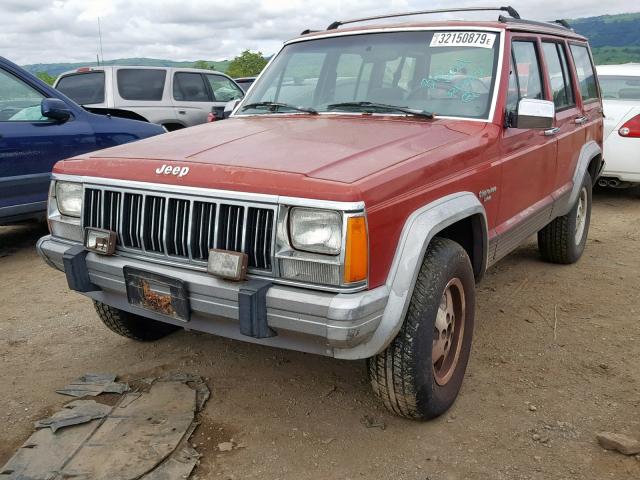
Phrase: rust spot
[155,301]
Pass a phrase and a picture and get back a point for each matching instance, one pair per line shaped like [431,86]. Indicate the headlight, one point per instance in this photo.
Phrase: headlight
[69,198]
[318,231]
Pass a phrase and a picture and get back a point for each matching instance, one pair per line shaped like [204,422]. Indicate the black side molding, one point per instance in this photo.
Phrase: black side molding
[75,268]
[252,304]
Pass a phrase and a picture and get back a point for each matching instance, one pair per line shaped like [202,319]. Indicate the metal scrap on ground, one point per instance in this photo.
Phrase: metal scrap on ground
[144,436]
[94,384]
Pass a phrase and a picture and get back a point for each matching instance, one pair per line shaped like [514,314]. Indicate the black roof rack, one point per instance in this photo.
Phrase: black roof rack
[510,10]
[564,23]
[307,31]
[557,24]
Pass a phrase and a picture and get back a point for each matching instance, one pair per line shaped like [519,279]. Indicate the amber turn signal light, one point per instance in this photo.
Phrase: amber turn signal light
[356,258]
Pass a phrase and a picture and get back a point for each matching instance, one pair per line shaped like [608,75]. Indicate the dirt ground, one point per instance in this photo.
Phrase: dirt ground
[562,339]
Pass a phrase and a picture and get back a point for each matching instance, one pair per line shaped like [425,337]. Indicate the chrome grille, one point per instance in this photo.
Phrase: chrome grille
[182,227]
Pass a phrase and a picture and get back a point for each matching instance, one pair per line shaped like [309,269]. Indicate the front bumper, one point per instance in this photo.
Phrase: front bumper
[306,320]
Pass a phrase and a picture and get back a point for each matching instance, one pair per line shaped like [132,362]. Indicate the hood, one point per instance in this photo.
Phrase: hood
[323,147]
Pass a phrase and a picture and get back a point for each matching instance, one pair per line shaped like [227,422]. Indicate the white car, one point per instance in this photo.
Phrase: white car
[172,97]
[620,85]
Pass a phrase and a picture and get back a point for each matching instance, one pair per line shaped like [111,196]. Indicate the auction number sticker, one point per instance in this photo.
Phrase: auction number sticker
[463,39]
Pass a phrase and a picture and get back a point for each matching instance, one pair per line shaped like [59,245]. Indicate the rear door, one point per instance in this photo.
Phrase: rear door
[569,120]
[192,98]
[30,144]
[589,98]
[528,155]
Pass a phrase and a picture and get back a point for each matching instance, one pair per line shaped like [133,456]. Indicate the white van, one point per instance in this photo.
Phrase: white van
[172,97]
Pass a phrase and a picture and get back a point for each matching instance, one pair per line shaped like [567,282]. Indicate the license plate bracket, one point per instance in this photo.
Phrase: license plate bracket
[158,293]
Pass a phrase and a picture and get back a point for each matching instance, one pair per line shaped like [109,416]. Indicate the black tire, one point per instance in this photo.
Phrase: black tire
[558,242]
[132,326]
[404,375]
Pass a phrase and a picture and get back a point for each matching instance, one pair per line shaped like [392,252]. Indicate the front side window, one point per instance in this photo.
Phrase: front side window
[190,87]
[528,70]
[620,87]
[83,88]
[18,101]
[558,75]
[223,89]
[141,84]
[449,73]
[584,70]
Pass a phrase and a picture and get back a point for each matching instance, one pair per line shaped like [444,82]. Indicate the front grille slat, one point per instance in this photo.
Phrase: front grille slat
[182,228]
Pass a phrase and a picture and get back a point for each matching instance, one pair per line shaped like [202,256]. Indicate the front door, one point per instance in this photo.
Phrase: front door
[30,145]
[528,155]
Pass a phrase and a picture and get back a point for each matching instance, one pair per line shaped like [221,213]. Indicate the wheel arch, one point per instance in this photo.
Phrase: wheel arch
[450,217]
[589,161]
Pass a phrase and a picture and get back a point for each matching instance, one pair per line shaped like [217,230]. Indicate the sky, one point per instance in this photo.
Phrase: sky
[52,31]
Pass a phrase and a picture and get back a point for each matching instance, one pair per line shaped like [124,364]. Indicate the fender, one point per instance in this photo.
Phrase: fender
[588,152]
[418,231]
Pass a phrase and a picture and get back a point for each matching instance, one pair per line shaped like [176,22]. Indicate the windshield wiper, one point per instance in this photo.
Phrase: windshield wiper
[275,106]
[380,106]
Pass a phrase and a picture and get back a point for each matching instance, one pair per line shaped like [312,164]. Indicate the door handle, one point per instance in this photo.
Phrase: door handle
[182,112]
[551,131]
[581,120]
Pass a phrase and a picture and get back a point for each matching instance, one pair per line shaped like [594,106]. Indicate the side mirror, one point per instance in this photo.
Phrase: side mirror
[533,113]
[55,109]
[230,107]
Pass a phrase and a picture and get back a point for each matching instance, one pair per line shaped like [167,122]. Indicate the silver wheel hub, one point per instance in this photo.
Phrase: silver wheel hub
[581,215]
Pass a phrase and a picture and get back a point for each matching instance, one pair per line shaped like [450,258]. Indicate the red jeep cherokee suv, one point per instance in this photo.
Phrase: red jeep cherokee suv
[351,202]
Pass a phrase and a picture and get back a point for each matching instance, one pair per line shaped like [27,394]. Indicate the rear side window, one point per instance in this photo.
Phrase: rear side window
[527,70]
[558,75]
[141,84]
[584,70]
[190,87]
[83,88]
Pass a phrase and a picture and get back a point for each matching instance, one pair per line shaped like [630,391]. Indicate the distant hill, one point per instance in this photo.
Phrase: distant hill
[55,69]
[613,38]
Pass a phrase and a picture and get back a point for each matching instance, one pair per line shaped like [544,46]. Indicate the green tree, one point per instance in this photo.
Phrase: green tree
[204,65]
[247,64]
[46,78]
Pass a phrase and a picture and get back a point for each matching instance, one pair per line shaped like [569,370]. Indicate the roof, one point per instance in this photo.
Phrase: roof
[139,67]
[627,69]
[509,24]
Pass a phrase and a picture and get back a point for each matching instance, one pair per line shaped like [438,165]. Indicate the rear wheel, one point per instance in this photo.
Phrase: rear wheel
[564,239]
[420,374]
[132,326]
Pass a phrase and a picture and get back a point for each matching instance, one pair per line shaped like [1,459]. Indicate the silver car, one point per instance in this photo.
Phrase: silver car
[172,97]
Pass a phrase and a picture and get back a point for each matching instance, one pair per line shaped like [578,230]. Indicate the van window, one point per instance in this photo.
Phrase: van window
[584,70]
[83,88]
[223,89]
[558,75]
[141,84]
[190,87]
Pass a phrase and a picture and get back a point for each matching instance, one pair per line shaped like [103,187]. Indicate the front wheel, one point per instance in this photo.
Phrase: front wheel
[564,239]
[420,373]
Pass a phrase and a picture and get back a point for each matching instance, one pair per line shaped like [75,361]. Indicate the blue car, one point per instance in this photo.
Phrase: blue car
[38,127]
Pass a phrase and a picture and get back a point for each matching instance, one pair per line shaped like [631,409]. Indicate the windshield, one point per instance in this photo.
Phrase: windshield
[620,88]
[449,73]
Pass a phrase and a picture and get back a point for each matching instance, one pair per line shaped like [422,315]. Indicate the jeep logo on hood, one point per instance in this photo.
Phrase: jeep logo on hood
[169,170]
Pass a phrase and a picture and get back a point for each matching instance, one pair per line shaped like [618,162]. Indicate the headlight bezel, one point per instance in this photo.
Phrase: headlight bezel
[77,189]
[297,214]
